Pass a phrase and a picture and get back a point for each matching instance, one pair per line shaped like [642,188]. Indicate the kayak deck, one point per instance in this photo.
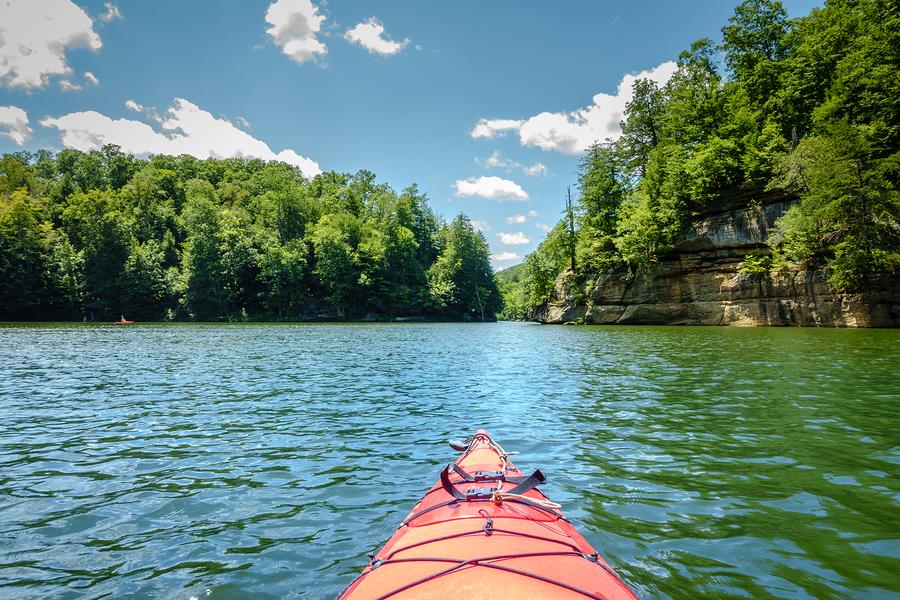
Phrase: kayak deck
[485,531]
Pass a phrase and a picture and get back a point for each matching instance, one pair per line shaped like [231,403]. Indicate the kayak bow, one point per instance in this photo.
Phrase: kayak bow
[482,531]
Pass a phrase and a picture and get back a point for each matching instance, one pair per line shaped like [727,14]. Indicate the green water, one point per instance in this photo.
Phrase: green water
[265,461]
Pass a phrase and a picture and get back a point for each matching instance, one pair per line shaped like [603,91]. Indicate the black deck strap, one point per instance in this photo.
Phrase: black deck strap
[527,483]
[467,477]
[459,471]
[449,487]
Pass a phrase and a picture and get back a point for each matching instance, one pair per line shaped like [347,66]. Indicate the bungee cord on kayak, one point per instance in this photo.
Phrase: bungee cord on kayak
[520,544]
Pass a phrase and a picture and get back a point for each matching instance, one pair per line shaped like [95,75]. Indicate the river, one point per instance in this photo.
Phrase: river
[266,461]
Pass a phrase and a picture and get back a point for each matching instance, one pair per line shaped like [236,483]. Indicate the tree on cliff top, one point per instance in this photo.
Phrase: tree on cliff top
[811,105]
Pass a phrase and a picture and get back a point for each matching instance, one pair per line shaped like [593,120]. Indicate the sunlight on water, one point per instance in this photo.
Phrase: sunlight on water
[218,461]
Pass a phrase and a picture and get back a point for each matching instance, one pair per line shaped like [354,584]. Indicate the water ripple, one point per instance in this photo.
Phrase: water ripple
[266,461]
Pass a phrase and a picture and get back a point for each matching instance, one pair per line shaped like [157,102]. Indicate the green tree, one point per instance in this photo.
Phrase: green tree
[283,271]
[204,295]
[461,280]
[642,127]
[849,213]
[603,184]
[146,284]
[754,42]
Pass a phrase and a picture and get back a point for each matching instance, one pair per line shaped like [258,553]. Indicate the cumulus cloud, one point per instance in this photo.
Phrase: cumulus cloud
[574,132]
[34,38]
[14,124]
[481,226]
[497,161]
[514,238]
[536,169]
[490,128]
[370,35]
[67,86]
[112,12]
[516,219]
[91,78]
[533,213]
[490,188]
[543,227]
[504,257]
[186,129]
[294,26]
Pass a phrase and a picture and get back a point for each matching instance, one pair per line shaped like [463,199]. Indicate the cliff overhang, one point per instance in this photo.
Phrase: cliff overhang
[700,283]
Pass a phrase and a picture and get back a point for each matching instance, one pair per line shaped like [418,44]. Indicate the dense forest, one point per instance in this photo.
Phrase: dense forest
[101,234]
[810,107]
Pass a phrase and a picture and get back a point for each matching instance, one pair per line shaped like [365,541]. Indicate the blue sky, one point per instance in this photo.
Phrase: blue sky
[431,98]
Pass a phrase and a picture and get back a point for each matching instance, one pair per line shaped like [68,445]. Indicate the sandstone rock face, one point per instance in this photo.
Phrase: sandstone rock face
[699,284]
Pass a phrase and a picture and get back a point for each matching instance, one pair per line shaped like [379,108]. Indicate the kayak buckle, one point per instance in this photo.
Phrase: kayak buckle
[488,475]
[477,493]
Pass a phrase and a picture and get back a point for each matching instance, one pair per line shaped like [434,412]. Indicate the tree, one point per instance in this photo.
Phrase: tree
[462,281]
[641,128]
[22,257]
[849,213]
[101,233]
[603,185]
[754,42]
[203,293]
[146,285]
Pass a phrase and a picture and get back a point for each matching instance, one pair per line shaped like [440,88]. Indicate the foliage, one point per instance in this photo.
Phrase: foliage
[101,234]
[810,105]
[461,279]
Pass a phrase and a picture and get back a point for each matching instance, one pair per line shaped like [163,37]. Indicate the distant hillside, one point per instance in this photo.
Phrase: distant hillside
[101,234]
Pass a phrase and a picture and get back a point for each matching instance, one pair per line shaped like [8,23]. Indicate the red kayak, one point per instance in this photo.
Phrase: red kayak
[123,322]
[483,531]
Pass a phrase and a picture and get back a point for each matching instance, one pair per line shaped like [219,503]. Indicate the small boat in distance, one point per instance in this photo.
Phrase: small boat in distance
[484,530]
[123,321]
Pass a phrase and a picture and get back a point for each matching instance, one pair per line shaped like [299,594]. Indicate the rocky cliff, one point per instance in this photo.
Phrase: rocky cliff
[699,283]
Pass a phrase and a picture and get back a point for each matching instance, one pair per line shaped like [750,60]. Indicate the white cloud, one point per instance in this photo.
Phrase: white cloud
[490,188]
[505,257]
[67,86]
[112,12]
[515,238]
[536,169]
[516,219]
[533,213]
[186,129]
[91,78]
[543,227]
[294,25]
[574,132]
[481,226]
[34,38]
[369,35]
[242,122]
[14,124]
[490,128]
[497,161]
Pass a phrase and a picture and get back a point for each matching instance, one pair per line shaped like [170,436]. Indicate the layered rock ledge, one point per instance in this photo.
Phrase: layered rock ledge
[699,283]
